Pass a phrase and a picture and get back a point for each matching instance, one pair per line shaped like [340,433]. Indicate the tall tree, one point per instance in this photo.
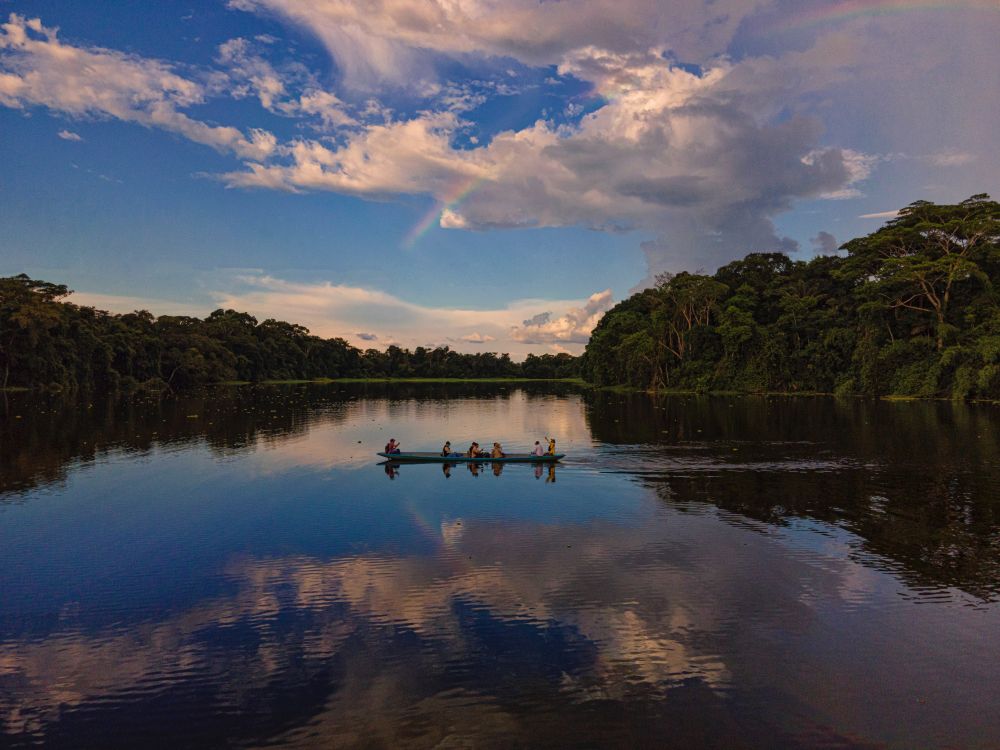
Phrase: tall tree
[919,259]
[27,312]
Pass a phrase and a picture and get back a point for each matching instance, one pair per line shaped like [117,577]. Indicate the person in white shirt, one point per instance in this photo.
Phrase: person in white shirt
[538,450]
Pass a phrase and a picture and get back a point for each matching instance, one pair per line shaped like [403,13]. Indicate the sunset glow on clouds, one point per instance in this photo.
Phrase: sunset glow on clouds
[338,311]
[702,131]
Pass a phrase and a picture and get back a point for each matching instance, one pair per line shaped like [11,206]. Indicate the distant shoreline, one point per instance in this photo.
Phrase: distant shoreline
[566,381]
[575,381]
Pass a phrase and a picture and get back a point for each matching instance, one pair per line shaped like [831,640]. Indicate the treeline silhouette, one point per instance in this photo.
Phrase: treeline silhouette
[910,310]
[46,341]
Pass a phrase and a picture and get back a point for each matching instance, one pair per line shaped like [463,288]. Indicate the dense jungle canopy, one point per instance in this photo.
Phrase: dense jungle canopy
[910,310]
[48,342]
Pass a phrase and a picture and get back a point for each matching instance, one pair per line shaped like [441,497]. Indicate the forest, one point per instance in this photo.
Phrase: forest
[47,342]
[909,310]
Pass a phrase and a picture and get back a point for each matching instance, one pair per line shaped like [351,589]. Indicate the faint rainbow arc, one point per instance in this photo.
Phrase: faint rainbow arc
[434,214]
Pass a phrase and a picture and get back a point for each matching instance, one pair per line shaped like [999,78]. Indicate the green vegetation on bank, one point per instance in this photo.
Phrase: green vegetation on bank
[48,342]
[911,310]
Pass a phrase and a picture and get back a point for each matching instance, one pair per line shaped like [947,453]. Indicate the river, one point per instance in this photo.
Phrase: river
[238,569]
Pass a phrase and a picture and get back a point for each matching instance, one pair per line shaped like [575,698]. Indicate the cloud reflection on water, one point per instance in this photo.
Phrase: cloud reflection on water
[708,557]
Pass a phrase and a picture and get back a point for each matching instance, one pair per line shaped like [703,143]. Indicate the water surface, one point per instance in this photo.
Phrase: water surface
[237,569]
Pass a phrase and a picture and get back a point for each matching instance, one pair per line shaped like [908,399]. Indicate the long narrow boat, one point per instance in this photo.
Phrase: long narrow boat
[463,459]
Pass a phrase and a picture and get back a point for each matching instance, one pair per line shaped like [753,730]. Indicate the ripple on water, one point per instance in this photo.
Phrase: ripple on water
[249,577]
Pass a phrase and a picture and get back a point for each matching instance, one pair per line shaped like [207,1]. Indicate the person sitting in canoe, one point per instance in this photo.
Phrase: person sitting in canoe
[497,451]
[473,450]
[392,446]
[446,449]
[538,450]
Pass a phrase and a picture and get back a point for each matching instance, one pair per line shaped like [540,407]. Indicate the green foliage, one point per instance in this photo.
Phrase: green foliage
[911,310]
[46,342]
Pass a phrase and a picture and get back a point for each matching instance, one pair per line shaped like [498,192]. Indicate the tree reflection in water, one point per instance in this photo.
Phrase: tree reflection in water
[915,480]
[756,572]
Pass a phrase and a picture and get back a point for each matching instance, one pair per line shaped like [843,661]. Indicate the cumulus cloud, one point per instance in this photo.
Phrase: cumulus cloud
[688,154]
[573,327]
[825,243]
[672,152]
[704,156]
[292,91]
[413,156]
[69,135]
[38,69]
[329,309]
[700,157]
[337,310]
[381,41]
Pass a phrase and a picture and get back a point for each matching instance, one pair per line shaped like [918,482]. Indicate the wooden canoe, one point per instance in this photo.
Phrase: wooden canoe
[438,458]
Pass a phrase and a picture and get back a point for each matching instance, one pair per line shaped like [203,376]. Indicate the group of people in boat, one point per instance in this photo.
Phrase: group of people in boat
[476,451]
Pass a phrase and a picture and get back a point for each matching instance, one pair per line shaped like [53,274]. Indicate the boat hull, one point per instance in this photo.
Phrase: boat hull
[510,458]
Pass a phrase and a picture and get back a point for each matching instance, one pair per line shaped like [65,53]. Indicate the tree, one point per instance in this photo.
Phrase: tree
[686,301]
[27,312]
[919,259]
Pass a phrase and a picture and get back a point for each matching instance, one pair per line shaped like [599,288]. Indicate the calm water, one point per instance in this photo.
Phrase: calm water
[237,570]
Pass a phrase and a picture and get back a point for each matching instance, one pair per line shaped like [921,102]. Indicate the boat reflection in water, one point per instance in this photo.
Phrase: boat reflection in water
[548,469]
[224,569]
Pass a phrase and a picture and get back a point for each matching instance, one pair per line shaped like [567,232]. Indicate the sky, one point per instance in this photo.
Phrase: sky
[489,175]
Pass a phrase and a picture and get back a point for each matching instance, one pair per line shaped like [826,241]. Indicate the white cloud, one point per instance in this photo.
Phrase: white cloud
[252,72]
[37,69]
[573,327]
[363,316]
[69,135]
[702,158]
[414,156]
[337,310]
[881,215]
[672,152]
[385,40]
[249,74]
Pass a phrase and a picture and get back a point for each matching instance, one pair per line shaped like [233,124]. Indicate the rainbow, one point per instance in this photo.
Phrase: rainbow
[459,192]
[850,9]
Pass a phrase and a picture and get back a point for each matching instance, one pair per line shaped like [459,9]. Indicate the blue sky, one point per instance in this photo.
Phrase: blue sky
[486,175]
